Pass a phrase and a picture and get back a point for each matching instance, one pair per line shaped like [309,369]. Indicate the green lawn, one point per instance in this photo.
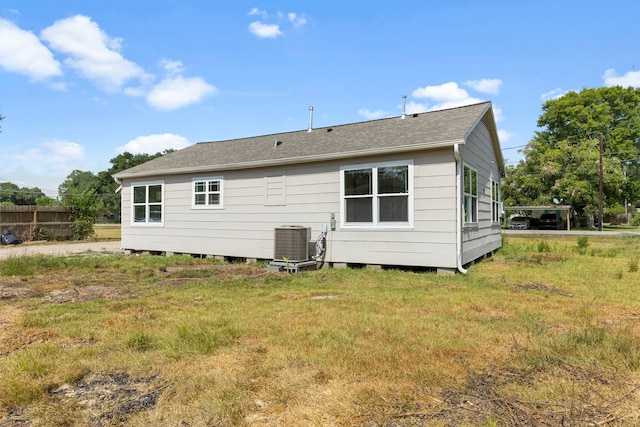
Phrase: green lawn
[545,331]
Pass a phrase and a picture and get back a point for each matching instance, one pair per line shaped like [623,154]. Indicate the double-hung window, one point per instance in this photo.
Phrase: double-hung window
[378,195]
[470,180]
[207,193]
[148,203]
[495,201]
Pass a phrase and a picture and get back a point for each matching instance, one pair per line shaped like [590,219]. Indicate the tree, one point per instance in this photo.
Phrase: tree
[562,159]
[10,192]
[127,160]
[101,185]
[85,206]
[46,201]
[78,182]
[119,163]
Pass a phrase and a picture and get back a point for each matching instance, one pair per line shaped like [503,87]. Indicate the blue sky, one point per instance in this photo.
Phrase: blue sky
[82,81]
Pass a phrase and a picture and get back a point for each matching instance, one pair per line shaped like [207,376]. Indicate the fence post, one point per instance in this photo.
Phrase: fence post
[34,224]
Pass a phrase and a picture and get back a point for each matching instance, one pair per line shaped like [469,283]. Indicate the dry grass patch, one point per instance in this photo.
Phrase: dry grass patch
[541,334]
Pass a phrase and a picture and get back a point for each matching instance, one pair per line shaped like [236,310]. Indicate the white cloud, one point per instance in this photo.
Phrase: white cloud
[54,154]
[415,107]
[255,11]
[504,135]
[172,67]
[372,115]
[264,31]
[631,78]
[22,52]
[151,144]
[62,152]
[297,20]
[490,86]
[92,52]
[553,94]
[447,95]
[177,92]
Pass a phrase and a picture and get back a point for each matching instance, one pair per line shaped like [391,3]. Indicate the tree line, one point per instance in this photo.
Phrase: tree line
[87,193]
[562,159]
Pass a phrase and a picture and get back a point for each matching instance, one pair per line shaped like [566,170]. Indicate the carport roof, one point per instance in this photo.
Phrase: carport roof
[539,208]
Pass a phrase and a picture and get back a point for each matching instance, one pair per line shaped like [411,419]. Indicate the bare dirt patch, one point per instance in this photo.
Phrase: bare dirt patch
[98,399]
[16,291]
[487,398]
[109,398]
[86,293]
[544,288]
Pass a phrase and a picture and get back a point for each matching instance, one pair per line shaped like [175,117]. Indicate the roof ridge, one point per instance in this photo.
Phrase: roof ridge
[341,124]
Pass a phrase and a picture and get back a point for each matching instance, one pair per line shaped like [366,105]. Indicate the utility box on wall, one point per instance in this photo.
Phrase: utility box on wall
[291,243]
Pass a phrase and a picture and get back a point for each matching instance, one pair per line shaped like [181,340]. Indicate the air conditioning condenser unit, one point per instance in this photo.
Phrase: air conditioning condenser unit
[291,243]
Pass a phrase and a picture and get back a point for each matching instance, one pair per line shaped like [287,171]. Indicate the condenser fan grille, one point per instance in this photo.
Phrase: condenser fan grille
[292,243]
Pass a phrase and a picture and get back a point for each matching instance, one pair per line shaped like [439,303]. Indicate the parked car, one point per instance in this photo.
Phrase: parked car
[550,221]
[519,223]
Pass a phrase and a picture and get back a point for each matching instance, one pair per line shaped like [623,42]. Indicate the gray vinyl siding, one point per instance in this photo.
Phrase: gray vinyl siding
[484,238]
[258,200]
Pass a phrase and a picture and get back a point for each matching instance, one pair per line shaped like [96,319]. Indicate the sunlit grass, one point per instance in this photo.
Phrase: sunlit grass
[234,343]
[107,231]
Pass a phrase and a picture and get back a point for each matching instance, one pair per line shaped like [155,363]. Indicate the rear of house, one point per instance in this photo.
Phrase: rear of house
[417,191]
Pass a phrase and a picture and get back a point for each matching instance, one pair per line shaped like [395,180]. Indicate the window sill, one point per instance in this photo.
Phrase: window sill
[199,208]
[376,227]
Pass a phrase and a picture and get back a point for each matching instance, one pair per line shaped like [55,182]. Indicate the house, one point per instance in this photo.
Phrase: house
[419,190]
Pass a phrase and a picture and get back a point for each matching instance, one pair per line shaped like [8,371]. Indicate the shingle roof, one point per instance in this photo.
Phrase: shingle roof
[415,132]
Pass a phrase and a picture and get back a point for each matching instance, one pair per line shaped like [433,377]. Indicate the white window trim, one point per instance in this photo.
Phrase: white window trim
[495,204]
[464,194]
[375,224]
[206,179]
[147,184]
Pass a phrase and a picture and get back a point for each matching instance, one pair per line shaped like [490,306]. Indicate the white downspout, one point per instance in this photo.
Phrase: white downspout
[456,153]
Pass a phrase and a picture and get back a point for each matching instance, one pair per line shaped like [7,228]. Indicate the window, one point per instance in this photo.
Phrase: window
[148,203]
[377,195]
[207,193]
[495,201]
[470,180]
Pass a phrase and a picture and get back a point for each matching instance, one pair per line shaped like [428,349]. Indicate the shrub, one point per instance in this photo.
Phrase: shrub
[583,244]
[544,247]
[45,234]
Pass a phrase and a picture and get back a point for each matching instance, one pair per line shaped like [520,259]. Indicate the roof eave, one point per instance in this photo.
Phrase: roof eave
[290,160]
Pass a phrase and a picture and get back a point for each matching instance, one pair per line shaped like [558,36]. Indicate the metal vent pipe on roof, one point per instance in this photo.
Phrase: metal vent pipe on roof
[310,119]
[404,107]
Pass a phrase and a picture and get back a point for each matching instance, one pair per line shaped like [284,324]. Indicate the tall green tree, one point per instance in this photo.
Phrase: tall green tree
[78,182]
[562,158]
[12,193]
[101,185]
[119,163]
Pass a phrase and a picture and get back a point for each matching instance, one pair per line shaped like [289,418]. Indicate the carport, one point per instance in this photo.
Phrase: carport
[565,211]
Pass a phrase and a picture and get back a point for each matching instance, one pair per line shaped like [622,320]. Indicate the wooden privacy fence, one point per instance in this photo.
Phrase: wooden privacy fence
[30,223]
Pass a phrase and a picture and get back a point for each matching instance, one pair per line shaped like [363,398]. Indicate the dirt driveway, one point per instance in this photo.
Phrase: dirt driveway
[59,248]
